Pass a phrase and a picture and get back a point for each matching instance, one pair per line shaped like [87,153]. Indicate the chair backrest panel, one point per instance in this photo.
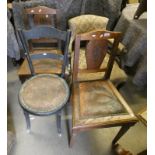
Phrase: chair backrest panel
[42,32]
[40,10]
[95,52]
[41,15]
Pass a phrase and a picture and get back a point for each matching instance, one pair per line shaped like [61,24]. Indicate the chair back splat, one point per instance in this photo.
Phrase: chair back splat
[95,52]
[41,15]
[50,33]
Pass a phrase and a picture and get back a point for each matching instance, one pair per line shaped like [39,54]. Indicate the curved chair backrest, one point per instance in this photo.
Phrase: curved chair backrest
[39,32]
[96,49]
[85,23]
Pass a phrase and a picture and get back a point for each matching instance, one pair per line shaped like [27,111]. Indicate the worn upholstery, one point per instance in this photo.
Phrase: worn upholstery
[97,103]
[97,99]
[44,93]
[85,23]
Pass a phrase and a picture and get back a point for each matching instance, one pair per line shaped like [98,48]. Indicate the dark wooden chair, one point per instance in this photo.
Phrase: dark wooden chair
[141,8]
[41,15]
[45,65]
[97,103]
[86,23]
[44,94]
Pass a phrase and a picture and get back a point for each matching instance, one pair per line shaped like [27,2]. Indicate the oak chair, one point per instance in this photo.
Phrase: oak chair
[86,23]
[41,15]
[45,65]
[96,103]
[44,94]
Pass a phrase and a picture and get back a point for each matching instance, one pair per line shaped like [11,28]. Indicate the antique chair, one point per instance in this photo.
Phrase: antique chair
[96,102]
[86,23]
[45,65]
[41,15]
[44,94]
[21,20]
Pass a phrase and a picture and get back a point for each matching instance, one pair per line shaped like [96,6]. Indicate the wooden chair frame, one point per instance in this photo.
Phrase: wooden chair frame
[41,10]
[80,124]
[50,32]
[37,16]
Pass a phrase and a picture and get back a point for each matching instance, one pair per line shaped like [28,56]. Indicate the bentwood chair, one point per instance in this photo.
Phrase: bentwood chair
[44,94]
[96,102]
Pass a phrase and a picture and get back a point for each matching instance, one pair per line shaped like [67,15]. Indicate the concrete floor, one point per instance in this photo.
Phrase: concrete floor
[44,140]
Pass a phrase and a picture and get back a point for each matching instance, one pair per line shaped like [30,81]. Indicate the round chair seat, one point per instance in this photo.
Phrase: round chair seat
[44,94]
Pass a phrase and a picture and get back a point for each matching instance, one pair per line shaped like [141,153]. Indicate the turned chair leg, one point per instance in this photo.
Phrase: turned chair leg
[58,119]
[121,132]
[27,117]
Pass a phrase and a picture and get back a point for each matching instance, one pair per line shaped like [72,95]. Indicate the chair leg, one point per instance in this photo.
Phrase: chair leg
[120,84]
[121,132]
[26,114]
[23,78]
[58,117]
[72,137]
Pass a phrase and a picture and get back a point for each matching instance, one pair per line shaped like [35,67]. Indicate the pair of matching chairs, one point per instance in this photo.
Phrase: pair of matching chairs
[96,103]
